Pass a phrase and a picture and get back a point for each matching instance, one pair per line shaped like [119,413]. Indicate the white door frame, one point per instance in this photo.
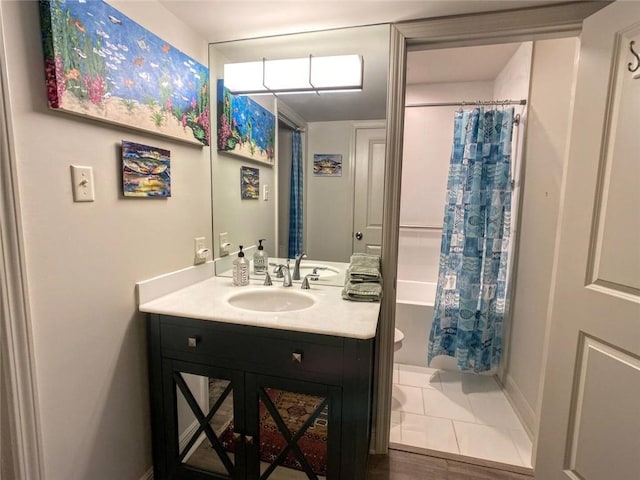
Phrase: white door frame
[20,441]
[457,31]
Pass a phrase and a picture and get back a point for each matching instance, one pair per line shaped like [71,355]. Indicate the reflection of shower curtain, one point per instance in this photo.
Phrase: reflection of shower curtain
[471,299]
[295,197]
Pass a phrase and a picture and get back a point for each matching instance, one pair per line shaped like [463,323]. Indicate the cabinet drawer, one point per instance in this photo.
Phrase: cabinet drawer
[254,349]
[299,359]
[200,344]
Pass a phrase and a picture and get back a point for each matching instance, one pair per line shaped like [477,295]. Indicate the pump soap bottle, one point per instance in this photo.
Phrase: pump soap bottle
[240,270]
[260,259]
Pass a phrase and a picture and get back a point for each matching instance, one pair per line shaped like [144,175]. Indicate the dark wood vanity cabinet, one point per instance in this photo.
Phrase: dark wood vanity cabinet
[241,402]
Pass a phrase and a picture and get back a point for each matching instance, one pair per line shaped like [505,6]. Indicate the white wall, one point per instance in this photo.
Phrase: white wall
[512,83]
[550,106]
[329,200]
[83,259]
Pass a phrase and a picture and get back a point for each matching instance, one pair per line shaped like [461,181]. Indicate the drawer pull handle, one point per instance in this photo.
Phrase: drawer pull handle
[192,342]
[249,439]
[296,357]
[237,436]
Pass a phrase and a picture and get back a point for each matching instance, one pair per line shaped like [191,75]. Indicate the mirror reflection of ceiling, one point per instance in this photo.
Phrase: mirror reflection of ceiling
[222,20]
[371,43]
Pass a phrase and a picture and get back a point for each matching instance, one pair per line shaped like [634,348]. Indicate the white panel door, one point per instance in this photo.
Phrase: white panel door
[369,190]
[590,410]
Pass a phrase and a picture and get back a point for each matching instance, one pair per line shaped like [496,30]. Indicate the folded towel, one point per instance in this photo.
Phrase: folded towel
[362,292]
[365,260]
[357,273]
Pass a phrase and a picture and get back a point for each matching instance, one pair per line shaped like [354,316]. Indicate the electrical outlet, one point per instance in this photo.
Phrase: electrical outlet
[82,184]
[225,246]
[201,252]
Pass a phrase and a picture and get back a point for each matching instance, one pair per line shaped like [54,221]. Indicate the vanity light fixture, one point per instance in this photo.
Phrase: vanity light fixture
[295,75]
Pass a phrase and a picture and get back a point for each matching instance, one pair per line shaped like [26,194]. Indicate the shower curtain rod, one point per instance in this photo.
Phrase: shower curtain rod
[462,104]
[289,123]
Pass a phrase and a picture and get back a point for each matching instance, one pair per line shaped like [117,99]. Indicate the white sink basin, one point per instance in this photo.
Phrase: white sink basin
[271,300]
[324,272]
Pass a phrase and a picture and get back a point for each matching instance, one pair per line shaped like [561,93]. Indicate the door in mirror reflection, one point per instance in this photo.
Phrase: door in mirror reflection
[296,433]
[368,197]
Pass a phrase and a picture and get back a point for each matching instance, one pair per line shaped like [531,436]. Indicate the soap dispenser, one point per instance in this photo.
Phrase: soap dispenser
[260,259]
[240,270]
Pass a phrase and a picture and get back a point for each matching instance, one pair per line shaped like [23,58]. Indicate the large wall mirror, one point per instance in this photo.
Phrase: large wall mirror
[338,199]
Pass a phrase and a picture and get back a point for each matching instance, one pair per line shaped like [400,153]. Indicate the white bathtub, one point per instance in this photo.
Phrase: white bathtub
[414,313]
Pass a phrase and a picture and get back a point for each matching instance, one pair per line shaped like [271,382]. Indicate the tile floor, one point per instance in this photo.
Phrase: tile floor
[456,413]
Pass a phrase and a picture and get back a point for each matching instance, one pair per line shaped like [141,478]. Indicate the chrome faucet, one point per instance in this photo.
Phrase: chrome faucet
[296,268]
[283,271]
[305,282]
[287,276]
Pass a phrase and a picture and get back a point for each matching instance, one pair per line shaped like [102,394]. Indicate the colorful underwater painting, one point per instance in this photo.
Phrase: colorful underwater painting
[327,165]
[102,65]
[146,171]
[249,183]
[245,127]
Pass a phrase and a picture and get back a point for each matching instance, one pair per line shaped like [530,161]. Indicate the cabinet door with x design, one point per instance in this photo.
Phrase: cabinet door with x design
[230,424]
[204,434]
[294,428]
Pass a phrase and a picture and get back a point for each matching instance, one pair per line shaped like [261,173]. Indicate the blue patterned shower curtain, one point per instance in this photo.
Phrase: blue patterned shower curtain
[295,197]
[471,298]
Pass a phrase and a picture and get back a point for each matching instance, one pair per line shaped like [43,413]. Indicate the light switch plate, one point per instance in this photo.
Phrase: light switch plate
[265,192]
[82,184]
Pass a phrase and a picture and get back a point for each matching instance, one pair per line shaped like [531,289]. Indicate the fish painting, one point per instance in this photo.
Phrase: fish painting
[72,74]
[249,183]
[80,53]
[327,165]
[102,65]
[142,44]
[78,24]
[245,128]
[145,170]
[143,167]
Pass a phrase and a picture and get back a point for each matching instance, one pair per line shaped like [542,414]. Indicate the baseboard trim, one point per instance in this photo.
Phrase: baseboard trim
[523,409]
[148,475]
[187,434]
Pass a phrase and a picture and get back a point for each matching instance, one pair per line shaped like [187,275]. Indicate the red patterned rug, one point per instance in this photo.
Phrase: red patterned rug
[295,409]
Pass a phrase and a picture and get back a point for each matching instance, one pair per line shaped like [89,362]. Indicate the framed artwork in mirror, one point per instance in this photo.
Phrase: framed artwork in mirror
[146,171]
[327,165]
[249,183]
[245,128]
[102,65]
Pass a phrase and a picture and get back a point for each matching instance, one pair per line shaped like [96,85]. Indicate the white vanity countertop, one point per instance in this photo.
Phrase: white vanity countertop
[330,315]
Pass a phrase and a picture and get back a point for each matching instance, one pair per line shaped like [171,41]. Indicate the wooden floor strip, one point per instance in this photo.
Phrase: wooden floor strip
[399,465]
